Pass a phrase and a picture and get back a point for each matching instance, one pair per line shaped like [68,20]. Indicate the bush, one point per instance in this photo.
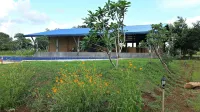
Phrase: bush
[85,89]
[13,86]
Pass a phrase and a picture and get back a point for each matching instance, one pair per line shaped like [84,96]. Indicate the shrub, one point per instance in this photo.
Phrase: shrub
[86,89]
[13,86]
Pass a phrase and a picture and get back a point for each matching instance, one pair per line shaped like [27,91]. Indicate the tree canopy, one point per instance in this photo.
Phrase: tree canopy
[5,41]
[106,24]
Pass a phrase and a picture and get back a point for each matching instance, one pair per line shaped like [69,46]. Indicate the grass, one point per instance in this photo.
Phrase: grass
[83,86]
[17,53]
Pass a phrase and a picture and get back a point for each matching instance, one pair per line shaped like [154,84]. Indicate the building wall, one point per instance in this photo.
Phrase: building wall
[89,55]
[52,44]
[65,44]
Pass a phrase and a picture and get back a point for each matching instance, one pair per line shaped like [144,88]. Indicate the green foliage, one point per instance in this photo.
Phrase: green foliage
[42,42]
[22,52]
[184,40]
[121,88]
[5,41]
[21,42]
[157,36]
[106,24]
[86,89]
[13,86]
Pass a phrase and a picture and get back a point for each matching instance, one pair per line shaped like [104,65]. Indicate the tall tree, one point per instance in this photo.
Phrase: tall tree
[42,42]
[192,43]
[106,26]
[179,29]
[80,26]
[156,39]
[5,41]
[22,42]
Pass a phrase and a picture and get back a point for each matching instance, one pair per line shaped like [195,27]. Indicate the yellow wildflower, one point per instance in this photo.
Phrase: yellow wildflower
[100,75]
[76,80]
[130,64]
[54,89]
[56,80]
[140,68]
[106,84]
[90,80]
[83,62]
[87,76]
[64,75]
[61,81]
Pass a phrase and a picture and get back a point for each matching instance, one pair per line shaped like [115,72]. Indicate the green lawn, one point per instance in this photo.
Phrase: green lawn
[17,53]
[84,86]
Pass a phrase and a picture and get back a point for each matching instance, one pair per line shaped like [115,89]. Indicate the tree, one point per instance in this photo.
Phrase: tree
[179,29]
[156,39]
[106,26]
[80,26]
[22,42]
[5,41]
[193,39]
[42,42]
[184,40]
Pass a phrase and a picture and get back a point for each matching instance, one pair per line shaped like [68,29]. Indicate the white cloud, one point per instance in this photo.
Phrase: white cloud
[23,14]
[189,20]
[178,3]
[5,7]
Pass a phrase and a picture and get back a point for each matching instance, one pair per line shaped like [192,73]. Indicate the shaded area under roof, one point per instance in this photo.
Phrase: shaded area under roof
[137,29]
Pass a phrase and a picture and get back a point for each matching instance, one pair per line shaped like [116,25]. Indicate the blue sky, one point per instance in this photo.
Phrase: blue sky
[30,16]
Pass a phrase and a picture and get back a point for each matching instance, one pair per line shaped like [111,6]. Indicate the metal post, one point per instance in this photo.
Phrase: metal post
[163,100]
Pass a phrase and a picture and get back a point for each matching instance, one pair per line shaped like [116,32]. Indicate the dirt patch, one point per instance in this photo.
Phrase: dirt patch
[177,101]
[158,92]
[23,109]
[147,98]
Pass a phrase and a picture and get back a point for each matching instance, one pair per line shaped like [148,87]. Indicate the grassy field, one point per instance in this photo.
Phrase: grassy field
[91,86]
[17,53]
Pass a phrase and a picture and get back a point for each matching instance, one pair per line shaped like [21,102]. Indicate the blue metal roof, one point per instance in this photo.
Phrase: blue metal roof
[137,29]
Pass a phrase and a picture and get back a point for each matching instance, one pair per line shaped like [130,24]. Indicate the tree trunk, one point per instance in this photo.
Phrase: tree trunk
[116,50]
[35,49]
[109,56]
[163,63]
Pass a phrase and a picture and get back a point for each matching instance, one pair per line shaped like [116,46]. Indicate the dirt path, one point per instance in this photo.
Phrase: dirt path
[177,101]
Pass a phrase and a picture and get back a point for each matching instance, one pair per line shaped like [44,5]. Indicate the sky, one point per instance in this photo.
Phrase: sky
[31,16]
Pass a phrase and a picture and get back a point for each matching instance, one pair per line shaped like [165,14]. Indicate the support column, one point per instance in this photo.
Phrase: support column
[78,46]
[137,47]
[126,47]
[57,45]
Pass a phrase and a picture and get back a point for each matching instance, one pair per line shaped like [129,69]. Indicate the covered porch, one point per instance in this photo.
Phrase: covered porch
[68,40]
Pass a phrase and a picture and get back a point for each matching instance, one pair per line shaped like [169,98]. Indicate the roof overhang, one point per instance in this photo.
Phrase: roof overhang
[78,32]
